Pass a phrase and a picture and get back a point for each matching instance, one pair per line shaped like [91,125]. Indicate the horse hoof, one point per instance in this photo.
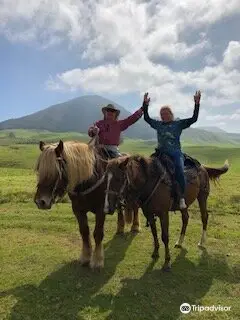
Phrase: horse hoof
[135,231]
[97,265]
[84,261]
[119,233]
[201,246]
[166,268]
[85,264]
[97,269]
[178,246]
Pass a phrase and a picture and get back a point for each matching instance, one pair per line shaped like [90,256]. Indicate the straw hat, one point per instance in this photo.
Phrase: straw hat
[111,107]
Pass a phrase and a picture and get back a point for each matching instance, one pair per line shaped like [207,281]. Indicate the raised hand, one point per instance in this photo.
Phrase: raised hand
[146,100]
[197,97]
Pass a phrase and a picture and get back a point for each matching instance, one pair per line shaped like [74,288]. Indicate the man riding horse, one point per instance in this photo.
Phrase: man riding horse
[109,129]
[79,169]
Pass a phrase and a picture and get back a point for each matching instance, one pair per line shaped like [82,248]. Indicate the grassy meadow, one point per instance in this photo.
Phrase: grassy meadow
[40,276]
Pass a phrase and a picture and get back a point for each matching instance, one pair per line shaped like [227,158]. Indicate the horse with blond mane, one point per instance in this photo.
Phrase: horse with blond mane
[79,169]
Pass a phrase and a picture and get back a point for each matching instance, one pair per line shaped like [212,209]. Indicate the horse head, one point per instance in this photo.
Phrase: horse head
[125,177]
[61,167]
[52,175]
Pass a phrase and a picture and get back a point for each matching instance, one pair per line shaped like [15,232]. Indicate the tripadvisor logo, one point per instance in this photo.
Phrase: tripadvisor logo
[186,308]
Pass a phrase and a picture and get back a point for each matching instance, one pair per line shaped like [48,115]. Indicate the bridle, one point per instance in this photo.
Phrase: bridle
[126,187]
[120,194]
[62,175]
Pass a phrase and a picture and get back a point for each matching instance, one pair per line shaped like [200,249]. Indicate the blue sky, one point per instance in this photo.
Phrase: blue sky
[52,51]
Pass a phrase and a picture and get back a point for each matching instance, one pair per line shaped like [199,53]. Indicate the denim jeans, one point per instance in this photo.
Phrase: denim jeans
[177,157]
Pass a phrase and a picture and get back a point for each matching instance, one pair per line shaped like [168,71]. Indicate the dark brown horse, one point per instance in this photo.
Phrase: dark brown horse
[148,181]
[78,169]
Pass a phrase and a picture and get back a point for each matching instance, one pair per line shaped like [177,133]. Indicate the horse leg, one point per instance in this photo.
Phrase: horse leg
[131,216]
[85,234]
[164,219]
[136,222]
[97,261]
[185,218]
[121,221]
[202,201]
[152,223]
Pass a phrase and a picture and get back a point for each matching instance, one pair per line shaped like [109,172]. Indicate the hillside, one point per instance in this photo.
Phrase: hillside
[77,114]
[191,137]
[199,136]
[213,129]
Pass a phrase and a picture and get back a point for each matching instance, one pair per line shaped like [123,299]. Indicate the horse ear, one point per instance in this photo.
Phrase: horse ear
[124,163]
[41,145]
[59,148]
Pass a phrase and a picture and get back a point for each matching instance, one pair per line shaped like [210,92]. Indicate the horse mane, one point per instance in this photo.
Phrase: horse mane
[80,159]
[151,167]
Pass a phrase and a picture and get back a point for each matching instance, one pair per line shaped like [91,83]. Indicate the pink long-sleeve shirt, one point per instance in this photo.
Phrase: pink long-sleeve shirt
[110,130]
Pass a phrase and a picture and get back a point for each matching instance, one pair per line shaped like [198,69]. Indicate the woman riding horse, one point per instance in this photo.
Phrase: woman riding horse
[169,131]
[109,129]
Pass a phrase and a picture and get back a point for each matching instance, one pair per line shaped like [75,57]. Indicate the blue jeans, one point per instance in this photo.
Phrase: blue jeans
[177,157]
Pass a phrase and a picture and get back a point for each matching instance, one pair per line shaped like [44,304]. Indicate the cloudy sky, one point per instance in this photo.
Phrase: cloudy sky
[52,51]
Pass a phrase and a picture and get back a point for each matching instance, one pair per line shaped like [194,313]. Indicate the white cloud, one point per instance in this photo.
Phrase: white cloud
[133,34]
[222,124]
[210,59]
[135,72]
[227,121]
[224,117]
[44,20]
[232,55]
[113,27]
[230,121]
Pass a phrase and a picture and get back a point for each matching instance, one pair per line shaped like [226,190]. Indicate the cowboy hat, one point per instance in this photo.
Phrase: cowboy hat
[111,107]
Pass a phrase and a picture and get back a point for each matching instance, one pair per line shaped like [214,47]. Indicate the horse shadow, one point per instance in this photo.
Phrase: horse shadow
[159,295]
[69,290]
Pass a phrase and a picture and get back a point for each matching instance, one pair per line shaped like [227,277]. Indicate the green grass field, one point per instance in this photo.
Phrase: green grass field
[41,279]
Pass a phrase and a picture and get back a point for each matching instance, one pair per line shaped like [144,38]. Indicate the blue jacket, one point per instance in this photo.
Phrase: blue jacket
[168,133]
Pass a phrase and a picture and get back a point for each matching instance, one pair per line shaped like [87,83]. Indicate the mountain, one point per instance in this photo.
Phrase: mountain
[213,129]
[78,114]
[200,136]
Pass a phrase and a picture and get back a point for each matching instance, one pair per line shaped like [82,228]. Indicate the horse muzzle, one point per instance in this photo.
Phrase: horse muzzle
[44,203]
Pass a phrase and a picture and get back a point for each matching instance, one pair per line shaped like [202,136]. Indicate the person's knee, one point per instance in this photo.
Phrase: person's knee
[180,174]
[179,163]
[177,158]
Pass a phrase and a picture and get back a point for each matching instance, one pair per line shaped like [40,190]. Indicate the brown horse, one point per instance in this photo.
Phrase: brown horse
[147,180]
[78,169]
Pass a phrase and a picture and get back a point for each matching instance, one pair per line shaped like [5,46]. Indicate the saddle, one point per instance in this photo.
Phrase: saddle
[167,162]
[191,169]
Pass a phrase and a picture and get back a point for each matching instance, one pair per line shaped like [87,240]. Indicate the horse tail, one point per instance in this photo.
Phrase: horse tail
[128,214]
[215,173]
